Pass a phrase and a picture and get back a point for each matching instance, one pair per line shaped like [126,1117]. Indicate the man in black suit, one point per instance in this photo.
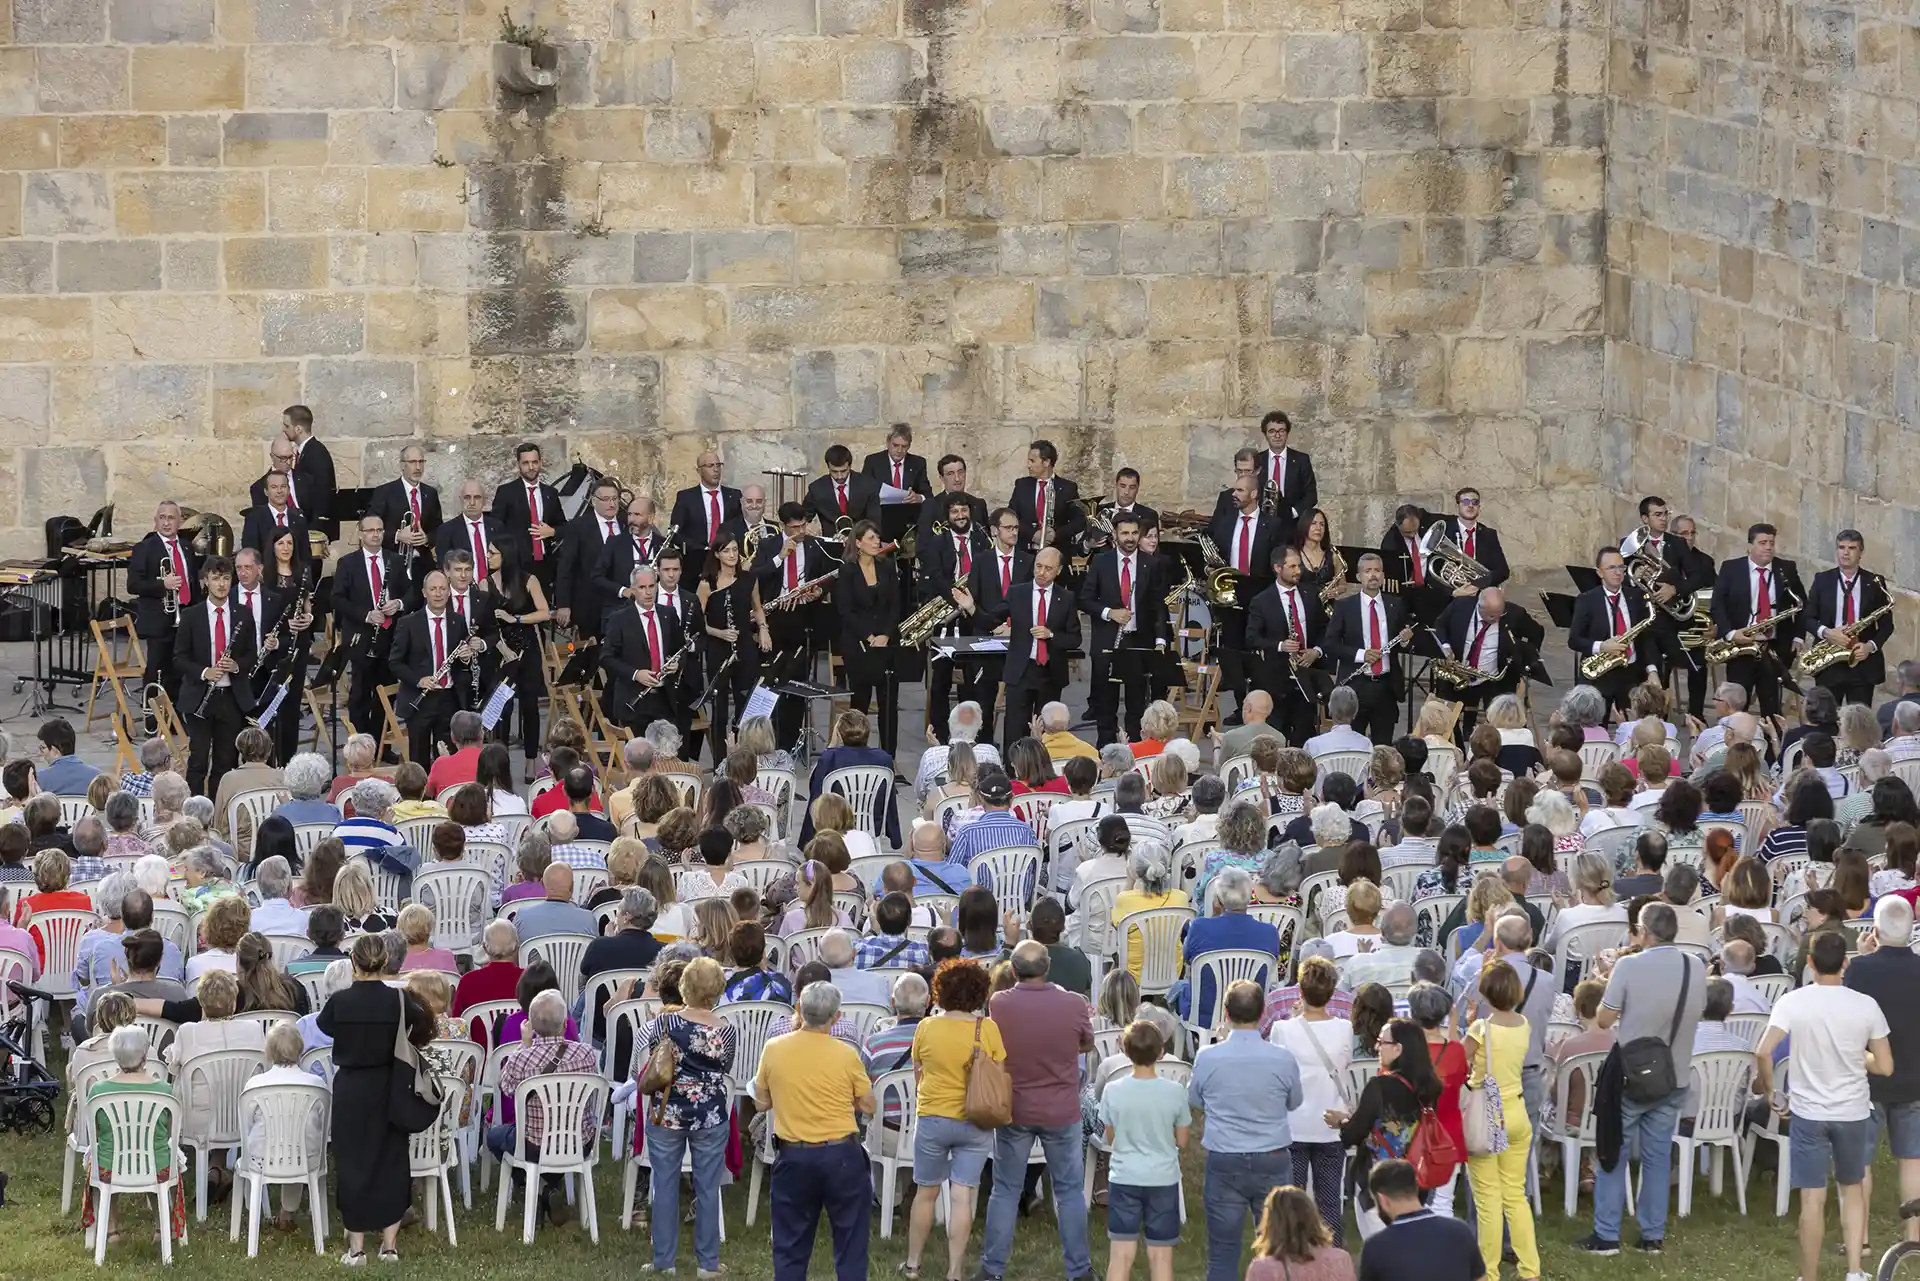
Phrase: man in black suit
[1697,574]
[1841,598]
[1492,636]
[1225,504]
[274,519]
[996,579]
[213,658]
[946,573]
[753,512]
[529,513]
[641,545]
[1480,542]
[1409,571]
[477,606]
[280,455]
[1284,621]
[411,509]
[423,642]
[1040,496]
[1126,500]
[1245,537]
[681,599]
[895,466]
[473,531]
[368,593]
[1125,596]
[785,564]
[700,512]
[312,469]
[1364,626]
[953,480]
[842,498]
[1601,617]
[1286,475]
[640,640]
[264,607]
[1043,628]
[580,599]
[161,564]
[1750,591]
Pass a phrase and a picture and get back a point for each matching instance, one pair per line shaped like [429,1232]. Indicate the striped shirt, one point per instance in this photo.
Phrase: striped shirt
[368,836]
[871,951]
[1782,841]
[994,830]
[887,1050]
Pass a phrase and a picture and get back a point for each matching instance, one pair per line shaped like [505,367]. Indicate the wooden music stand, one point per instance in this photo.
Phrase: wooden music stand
[392,735]
[108,668]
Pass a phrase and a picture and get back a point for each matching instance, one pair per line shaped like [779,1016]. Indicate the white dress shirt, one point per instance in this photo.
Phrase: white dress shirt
[1127,571]
[219,617]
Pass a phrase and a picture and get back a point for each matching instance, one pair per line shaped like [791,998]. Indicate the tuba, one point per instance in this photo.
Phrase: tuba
[1644,570]
[1453,566]
[212,535]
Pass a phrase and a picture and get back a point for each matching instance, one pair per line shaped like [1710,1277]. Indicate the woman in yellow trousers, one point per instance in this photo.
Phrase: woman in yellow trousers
[1499,1182]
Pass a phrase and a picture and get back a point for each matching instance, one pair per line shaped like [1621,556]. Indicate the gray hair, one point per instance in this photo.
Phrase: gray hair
[500,940]
[1209,794]
[337,977]
[1055,718]
[1553,811]
[1281,875]
[1165,1021]
[122,812]
[1582,707]
[638,909]
[1875,764]
[963,722]
[1734,696]
[1514,933]
[1343,705]
[560,826]
[1428,1004]
[1233,889]
[836,950]
[155,755]
[396,944]
[151,872]
[1430,967]
[169,791]
[1116,759]
[547,1013]
[1149,869]
[1906,717]
[273,877]
[1130,790]
[109,893]
[308,775]
[1893,920]
[466,728]
[373,797]
[1330,824]
[89,836]
[207,861]
[1660,922]
[746,824]
[129,1046]
[819,1004]
[1031,960]
[1737,955]
[910,996]
[1398,924]
[638,755]
[1187,751]
[200,807]
[364,748]
[665,737]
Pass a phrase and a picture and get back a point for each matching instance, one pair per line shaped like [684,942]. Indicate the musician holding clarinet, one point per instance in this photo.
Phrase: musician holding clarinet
[642,654]
[868,594]
[427,645]
[1365,627]
[735,623]
[213,655]
[369,593]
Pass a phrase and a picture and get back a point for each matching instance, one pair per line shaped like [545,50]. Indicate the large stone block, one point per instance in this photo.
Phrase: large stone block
[804,194]
[949,251]
[763,317]
[188,203]
[364,397]
[754,17]
[1170,248]
[718,394]
[1288,126]
[1125,67]
[280,21]
[108,266]
[132,402]
[1042,382]
[847,253]
[26,267]
[1326,66]
[881,71]
[317,199]
[1217,187]
[188,78]
[647,196]
[19,83]
[1182,380]
[9,204]
[67,204]
[191,265]
[193,142]
[743,257]
[655,319]
[1092,309]
[425,199]
[65,480]
[276,262]
[25,404]
[1095,189]
[248,396]
[29,142]
[438,77]
[38,329]
[59,21]
[161,21]
[316,77]
[836,390]
[180,327]
[1310,306]
[382,138]
[275,138]
[1313,186]
[82,79]
[411,323]
[112,142]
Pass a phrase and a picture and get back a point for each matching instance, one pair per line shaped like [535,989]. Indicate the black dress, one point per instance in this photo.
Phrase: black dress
[369,1154]
[870,672]
[528,677]
[731,606]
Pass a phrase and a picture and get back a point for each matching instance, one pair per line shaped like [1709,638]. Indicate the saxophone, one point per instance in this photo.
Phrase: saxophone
[1595,666]
[925,622]
[1726,650]
[1821,655]
[1337,580]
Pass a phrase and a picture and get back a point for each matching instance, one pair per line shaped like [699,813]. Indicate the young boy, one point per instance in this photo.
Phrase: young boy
[1147,1125]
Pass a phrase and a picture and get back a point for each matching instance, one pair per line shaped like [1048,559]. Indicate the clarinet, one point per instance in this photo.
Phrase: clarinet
[283,625]
[206,700]
[374,629]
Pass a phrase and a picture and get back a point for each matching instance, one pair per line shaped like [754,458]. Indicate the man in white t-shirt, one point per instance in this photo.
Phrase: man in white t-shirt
[1839,1037]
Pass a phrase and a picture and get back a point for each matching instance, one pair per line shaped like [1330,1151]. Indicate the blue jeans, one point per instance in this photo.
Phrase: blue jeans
[1012,1145]
[1237,1185]
[1646,1133]
[806,1181]
[664,1150]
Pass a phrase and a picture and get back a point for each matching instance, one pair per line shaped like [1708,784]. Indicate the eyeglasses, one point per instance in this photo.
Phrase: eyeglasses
[1469,502]
[1384,1042]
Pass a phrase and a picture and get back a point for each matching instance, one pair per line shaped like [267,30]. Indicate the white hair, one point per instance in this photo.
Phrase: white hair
[1330,824]
[274,877]
[547,1013]
[1187,750]
[665,737]
[337,977]
[151,872]
[500,940]
[1906,717]
[836,949]
[910,996]
[111,892]
[1553,811]
[1875,764]
[308,775]
[1055,718]
[129,1046]
[1233,889]
[1343,705]
[819,1004]
[170,791]
[373,797]
[963,723]
[1893,918]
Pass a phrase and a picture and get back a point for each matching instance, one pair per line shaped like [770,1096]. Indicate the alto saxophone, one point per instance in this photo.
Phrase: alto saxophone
[925,622]
[1821,655]
[1337,580]
[1595,666]
[1722,651]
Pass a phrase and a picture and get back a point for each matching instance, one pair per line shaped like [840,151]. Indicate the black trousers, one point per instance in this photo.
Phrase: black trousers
[1114,673]
[210,747]
[871,677]
[362,707]
[1296,697]
[657,704]
[160,668]
[728,698]
[941,675]
[1761,679]
[1379,706]
[431,723]
[286,722]
[1025,698]
[1236,665]
[1846,684]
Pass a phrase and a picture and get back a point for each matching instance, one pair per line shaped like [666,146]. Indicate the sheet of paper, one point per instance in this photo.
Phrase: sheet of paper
[760,702]
[490,715]
[890,494]
[265,718]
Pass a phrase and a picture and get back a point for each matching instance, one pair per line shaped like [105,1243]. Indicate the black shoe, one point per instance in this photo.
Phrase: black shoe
[1651,1246]
[1508,1256]
[1594,1244]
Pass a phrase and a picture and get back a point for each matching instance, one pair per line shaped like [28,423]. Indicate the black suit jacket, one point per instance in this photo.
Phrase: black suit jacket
[1068,518]
[314,486]
[823,501]
[1823,610]
[1100,590]
[1149,518]
[623,652]
[1268,626]
[260,530]
[1733,600]
[1486,549]
[1518,634]
[935,508]
[193,654]
[272,602]
[1302,491]
[145,565]
[353,594]
[614,564]
[689,518]
[1063,618]
[895,520]
[987,597]
[1593,625]
[389,503]
[412,661]
[1346,634]
[1224,531]
[867,611]
[939,563]
[454,536]
[576,580]
[510,509]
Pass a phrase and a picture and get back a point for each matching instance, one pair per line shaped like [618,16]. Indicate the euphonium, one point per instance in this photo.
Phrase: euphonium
[1222,579]
[1821,655]
[1453,566]
[1644,570]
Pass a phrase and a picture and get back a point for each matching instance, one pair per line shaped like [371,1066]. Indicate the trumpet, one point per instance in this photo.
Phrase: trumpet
[1446,559]
[1594,666]
[1821,655]
[170,603]
[406,549]
[1729,649]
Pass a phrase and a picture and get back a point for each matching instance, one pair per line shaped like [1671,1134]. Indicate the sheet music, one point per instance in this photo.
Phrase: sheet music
[272,709]
[760,702]
[490,716]
[891,494]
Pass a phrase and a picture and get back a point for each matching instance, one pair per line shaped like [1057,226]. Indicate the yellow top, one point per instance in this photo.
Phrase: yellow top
[942,1048]
[813,1080]
[1140,901]
[1062,745]
[404,810]
[1508,1048]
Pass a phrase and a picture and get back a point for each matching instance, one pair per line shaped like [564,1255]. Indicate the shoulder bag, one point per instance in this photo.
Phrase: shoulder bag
[1648,1060]
[1483,1120]
[1431,1150]
[656,1080]
[414,1095]
[989,1101]
[1320,1052]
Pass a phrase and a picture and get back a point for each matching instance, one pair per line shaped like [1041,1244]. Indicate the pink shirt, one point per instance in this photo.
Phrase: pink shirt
[1330,1263]
[1045,1029]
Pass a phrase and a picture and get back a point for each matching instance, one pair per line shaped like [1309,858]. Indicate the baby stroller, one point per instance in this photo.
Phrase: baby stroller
[27,1089]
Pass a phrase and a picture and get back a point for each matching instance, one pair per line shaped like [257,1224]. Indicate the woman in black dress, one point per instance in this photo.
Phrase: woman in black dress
[869,596]
[287,571]
[521,606]
[736,624]
[1314,538]
[369,1152]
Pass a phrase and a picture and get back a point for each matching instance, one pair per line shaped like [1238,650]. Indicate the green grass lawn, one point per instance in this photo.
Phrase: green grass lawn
[35,1242]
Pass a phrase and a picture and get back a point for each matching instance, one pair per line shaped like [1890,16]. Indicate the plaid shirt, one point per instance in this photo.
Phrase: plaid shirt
[1283,1001]
[843,1029]
[87,867]
[137,784]
[580,856]
[869,952]
[542,1056]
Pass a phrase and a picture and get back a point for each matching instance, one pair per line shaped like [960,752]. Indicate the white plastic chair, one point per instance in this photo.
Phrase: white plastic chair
[690,786]
[214,1079]
[783,785]
[389,887]
[865,1015]
[1772,1130]
[267,1019]
[60,933]
[489,1015]
[1031,809]
[308,835]
[1224,966]
[628,1017]
[802,946]
[563,953]
[418,832]
[1064,843]
[288,948]
[254,806]
[75,808]
[762,872]
[597,993]
[1594,757]
[1149,829]
[175,925]
[1159,929]
[1572,1133]
[943,810]
[1311,888]
[1430,913]
[319,1061]
[1397,882]
[587,882]
[461,897]
[753,1024]
[567,1101]
[160,1032]
[1289,921]
[1011,873]
[491,857]
[80,1133]
[1614,844]
[1772,986]
[282,1158]
[1720,1095]
[1583,942]
[1233,770]
[133,1119]
[435,1150]
[1352,764]
[465,1062]
[869,790]
[889,1148]
[1095,914]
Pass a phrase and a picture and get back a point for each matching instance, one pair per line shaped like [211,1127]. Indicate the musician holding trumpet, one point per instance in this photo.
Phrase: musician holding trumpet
[1849,613]
[213,656]
[427,645]
[160,577]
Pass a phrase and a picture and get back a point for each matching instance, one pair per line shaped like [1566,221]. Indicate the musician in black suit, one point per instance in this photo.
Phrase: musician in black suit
[368,594]
[753,514]
[312,469]
[474,524]
[1491,635]
[1601,617]
[700,511]
[411,509]
[212,659]
[842,498]
[1480,542]
[1245,538]
[641,640]
[1287,486]
[898,467]
[162,564]
[478,606]
[997,576]
[682,599]
[265,606]
[946,573]
[867,597]
[1749,591]
[1043,628]
[1841,598]
[1283,621]
[579,595]
[786,563]
[641,545]
[274,519]
[423,642]
[1124,596]
[1041,495]
[953,481]
[1225,504]
[1697,573]
[530,514]
[1126,500]
[1410,573]
[1364,626]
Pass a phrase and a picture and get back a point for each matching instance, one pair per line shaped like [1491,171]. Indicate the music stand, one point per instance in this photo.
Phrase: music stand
[1352,556]
[1585,577]
[1559,608]
[782,479]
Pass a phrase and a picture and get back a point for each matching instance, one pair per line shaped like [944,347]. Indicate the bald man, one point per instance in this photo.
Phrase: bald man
[1044,629]
[701,510]
[556,913]
[472,531]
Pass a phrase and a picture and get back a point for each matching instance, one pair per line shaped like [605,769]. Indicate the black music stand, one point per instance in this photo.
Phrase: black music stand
[1585,577]
[1559,608]
[1352,556]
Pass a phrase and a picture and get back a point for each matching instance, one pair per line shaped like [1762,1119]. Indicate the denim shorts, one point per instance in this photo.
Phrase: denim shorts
[1135,1213]
[948,1150]
[1814,1145]
[1900,1122]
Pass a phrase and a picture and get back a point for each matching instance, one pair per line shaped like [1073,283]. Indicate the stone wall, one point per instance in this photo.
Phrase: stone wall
[1130,225]
[1763,251]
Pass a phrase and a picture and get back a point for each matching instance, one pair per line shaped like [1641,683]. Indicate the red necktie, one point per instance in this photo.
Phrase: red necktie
[842,487]
[439,647]
[1763,607]
[793,571]
[280,518]
[1006,573]
[1373,637]
[185,594]
[1040,620]
[1293,616]
[1479,640]
[292,501]
[219,633]
[1846,595]
[964,551]
[379,590]
[1243,558]
[653,644]
[479,549]
[460,604]
[611,532]
[1419,574]
[1469,547]
[897,484]
[413,500]
[1619,623]
[713,516]
[248,601]
[1126,582]
[533,510]
[1276,474]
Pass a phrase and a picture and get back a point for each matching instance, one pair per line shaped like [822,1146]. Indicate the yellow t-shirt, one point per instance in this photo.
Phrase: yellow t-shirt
[942,1048]
[404,810]
[1140,901]
[813,1080]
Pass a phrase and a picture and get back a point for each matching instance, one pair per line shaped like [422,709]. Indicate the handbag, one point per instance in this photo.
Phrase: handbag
[989,1101]
[1432,1152]
[656,1079]
[414,1095]
[1648,1060]
[1484,1121]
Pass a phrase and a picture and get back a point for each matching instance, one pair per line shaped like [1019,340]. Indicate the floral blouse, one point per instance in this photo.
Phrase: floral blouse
[697,1100]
